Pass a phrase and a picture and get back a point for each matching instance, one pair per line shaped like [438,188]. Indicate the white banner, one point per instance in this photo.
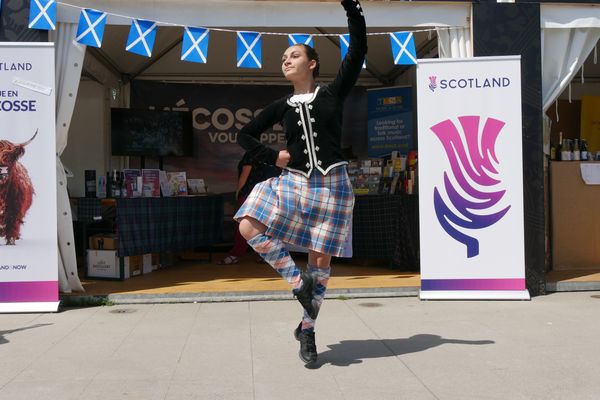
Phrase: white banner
[28,242]
[471,178]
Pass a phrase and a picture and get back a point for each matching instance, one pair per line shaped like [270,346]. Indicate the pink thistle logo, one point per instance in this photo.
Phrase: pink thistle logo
[432,83]
[475,191]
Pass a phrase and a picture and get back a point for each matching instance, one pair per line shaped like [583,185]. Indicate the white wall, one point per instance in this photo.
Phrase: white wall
[88,142]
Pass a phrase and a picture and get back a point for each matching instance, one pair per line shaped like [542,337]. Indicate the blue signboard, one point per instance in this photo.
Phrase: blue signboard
[390,121]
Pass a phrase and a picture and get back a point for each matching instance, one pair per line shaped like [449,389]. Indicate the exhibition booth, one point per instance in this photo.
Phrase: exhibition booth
[91,81]
[218,89]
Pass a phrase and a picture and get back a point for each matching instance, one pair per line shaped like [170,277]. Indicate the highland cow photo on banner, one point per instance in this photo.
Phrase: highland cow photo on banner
[28,228]
[471,178]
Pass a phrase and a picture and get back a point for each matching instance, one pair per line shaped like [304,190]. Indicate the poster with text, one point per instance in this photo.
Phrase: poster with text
[471,178]
[390,121]
[28,227]
[219,111]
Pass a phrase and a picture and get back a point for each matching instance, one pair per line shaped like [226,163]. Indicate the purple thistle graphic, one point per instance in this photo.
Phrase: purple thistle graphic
[474,161]
[432,83]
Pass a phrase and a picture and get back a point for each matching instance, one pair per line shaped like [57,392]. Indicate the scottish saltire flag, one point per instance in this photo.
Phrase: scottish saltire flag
[403,48]
[141,37]
[300,39]
[195,45]
[42,14]
[90,30]
[344,44]
[249,54]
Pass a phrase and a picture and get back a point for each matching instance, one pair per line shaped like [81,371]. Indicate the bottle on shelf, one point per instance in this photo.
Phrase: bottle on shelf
[584,150]
[116,190]
[109,186]
[565,152]
[559,147]
[122,184]
[576,151]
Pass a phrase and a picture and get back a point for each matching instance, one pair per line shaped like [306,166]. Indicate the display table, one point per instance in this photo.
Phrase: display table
[157,225]
[387,227]
[575,218]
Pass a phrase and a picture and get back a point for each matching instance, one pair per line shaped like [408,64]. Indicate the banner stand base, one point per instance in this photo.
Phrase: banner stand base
[29,307]
[474,295]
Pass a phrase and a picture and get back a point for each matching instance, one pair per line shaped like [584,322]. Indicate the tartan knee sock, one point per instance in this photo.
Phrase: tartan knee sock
[321,276]
[274,253]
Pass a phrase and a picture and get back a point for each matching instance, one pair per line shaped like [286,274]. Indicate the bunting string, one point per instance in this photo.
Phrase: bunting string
[195,39]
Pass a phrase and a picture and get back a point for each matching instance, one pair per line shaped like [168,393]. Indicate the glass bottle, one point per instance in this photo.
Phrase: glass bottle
[584,150]
[109,186]
[576,151]
[116,190]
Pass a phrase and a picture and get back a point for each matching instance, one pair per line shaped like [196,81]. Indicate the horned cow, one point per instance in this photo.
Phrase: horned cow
[16,190]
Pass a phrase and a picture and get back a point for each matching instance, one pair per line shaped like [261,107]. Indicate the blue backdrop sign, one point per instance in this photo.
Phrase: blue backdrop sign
[390,120]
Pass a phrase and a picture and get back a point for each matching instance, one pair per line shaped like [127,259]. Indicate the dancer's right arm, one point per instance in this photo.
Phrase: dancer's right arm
[249,135]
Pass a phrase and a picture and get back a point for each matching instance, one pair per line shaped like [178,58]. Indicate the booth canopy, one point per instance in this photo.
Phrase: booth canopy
[313,17]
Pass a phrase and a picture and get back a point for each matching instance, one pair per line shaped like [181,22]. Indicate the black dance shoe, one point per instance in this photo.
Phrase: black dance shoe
[308,347]
[305,294]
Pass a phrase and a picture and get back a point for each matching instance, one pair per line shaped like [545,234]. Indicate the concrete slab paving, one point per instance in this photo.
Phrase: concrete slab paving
[369,348]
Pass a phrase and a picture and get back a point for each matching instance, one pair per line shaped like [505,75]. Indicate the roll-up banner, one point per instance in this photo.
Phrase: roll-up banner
[28,238]
[471,178]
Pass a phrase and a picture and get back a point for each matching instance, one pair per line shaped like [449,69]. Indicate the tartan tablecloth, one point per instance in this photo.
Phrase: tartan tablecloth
[387,227]
[155,225]
[88,209]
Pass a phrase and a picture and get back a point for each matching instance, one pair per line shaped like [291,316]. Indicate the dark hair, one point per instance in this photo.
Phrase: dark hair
[312,54]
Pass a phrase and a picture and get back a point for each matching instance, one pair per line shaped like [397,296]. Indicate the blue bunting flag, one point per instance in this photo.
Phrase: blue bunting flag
[42,14]
[141,37]
[90,30]
[249,52]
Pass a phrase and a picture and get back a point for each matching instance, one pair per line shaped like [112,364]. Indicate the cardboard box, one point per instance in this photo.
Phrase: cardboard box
[155,261]
[147,263]
[104,241]
[134,264]
[106,264]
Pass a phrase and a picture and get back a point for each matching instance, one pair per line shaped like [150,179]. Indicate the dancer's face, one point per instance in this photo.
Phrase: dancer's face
[296,65]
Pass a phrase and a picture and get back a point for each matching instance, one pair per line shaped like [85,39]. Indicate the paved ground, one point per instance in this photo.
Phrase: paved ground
[378,348]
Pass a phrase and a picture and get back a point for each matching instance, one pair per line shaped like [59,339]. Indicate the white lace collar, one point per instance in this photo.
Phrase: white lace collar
[303,98]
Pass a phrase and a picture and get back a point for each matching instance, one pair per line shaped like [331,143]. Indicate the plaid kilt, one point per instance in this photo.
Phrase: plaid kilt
[312,213]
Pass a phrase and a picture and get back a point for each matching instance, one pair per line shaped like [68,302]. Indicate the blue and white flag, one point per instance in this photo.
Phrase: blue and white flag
[249,53]
[90,30]
[141,37]
[300,39]
[344,44]
[403,48]
[42,14]
[195,45]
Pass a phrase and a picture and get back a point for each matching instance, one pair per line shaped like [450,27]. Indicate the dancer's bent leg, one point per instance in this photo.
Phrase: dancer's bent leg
[271,250]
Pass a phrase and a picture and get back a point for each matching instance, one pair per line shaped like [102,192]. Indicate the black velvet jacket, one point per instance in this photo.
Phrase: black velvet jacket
[313,128]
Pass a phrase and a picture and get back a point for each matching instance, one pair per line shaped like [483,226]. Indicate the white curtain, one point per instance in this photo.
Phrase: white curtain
[454,42]
[564,50]
[68,64]
[569,33]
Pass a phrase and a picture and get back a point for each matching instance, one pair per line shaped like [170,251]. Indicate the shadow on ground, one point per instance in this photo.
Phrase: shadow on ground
[3,340]
[349,352]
